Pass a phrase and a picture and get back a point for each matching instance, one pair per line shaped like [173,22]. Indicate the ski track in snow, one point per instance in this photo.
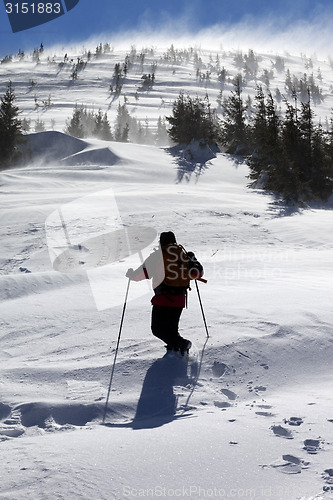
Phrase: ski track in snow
[250,413]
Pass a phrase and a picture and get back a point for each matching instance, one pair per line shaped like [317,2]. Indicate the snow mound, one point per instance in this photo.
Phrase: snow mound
[193,158]
[200,151]
[75,414]
[57,147]
[195,152]
[102,156]
[52,146]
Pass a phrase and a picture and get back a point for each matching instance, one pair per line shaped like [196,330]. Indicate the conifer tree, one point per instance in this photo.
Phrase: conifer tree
[124,124]
[161,137]
[10,128]
[315,165]
[106,133]
[292,157]
[178,120]
[192,119]
[321,179]
[98,124]
[306,159]
[286,180]
[258,134]
[75,125]
[234,129]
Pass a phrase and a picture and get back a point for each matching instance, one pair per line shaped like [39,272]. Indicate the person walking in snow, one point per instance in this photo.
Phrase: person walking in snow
[171,268]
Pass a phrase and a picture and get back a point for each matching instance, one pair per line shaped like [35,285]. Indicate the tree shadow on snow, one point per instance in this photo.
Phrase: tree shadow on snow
[193,159]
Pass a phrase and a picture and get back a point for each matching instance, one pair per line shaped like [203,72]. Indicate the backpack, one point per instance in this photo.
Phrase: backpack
[176,267]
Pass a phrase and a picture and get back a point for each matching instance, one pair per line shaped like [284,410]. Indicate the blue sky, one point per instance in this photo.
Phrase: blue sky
[97,17]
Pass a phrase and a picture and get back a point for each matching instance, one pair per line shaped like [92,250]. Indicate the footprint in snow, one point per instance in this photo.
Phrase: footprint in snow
[328,476]
[282,432]
[312,446]
[5,411]
[260,388]
[24,270]
[11,423]
[265,413]
[290,465]
[230,395]
[219,369]
[11,430]
[257,389]
[222,404]
[294,421]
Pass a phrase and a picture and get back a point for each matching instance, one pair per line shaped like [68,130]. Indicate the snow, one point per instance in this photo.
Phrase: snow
[251,414]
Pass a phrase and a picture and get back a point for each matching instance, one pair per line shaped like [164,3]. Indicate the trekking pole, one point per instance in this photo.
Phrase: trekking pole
[116,353]
[202,310]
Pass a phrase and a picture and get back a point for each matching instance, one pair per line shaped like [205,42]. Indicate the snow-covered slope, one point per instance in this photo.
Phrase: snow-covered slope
[46,91]
[249,416]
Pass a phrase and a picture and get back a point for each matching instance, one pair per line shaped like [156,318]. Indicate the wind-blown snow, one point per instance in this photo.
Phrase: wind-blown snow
[249,416]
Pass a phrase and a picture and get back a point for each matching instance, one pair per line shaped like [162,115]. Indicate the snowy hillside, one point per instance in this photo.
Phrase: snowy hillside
[49,84]
[250,415]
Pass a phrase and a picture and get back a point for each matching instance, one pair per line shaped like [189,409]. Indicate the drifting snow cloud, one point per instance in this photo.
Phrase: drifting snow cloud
[294,32]
[263,35]
[269,36]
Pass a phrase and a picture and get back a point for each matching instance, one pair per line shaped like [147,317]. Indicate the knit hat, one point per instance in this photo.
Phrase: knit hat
[167,238]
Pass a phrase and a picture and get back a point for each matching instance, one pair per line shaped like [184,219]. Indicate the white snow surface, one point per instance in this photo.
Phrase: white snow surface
[250,415]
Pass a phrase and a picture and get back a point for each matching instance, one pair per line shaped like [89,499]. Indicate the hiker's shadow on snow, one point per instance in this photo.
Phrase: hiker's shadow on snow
[157,404]
[193,159]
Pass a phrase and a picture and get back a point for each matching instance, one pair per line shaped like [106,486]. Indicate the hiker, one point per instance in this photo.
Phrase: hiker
[171,269]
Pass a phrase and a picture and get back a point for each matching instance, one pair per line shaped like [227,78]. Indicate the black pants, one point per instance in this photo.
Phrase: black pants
[164,324]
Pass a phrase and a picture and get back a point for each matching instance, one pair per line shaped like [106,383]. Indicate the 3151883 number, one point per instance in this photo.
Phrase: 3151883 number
[33,8]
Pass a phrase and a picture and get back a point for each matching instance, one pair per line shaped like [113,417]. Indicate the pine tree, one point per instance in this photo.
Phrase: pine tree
[315,166]
[321,179]
[234,129]
[102,128]
[178,120]
[117,80]
[106,133]
[259,125]
[257,137]
[306,159]
[329,156]
[273,143]
[289,185]
[292,157]
[98,124]
[192,119]
[75,126]
[10,128]
[161,137]
[265,141]
[40,125]
[125,125]
[251,65]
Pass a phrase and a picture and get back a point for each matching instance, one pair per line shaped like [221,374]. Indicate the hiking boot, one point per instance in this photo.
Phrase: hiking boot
[185,346]
[171,348]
